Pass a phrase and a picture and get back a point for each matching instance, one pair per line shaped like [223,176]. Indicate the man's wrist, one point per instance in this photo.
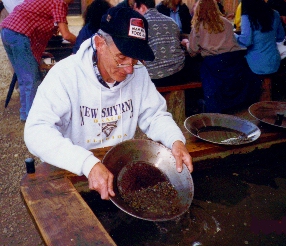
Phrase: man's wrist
[88,164]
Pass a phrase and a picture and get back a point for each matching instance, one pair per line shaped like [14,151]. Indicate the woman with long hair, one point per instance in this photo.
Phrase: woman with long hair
[261,28]
[211,34]
[227,80]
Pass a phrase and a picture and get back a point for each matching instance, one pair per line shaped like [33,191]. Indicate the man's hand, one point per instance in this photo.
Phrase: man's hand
[182,155]
[101,180]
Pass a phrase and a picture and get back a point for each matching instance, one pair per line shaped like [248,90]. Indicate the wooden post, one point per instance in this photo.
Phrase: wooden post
[176,105]
[266,89]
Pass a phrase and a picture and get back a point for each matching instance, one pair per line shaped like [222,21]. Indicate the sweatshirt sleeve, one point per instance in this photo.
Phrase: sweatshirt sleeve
[51,112]
[154,120]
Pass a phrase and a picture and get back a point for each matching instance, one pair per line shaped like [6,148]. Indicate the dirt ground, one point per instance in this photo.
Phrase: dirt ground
[16,224]
[16,227]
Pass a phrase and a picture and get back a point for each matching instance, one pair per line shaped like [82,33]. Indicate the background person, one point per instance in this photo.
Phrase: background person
[260,30]
[92,18]
[237,19]
[280,7]
[171,65]
[96,98]
[25,34]
[126,4]
[9,6]
[220,7]
[226,79]
[179,12]
[168,68]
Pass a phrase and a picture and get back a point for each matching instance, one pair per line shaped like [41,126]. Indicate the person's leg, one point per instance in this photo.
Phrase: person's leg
[25,66]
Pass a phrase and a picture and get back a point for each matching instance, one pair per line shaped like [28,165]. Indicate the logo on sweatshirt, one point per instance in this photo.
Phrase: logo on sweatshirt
[109,117]
[107,128]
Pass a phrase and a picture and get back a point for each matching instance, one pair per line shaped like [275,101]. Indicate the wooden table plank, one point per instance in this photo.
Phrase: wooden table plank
[62,216]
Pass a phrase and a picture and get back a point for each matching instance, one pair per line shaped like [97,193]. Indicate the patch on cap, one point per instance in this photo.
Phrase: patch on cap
[136,28]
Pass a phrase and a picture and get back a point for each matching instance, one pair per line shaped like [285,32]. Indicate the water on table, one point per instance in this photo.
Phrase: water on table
[241,201]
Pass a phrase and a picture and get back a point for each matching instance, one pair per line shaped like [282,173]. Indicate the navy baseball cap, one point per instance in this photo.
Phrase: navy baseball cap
[129,31]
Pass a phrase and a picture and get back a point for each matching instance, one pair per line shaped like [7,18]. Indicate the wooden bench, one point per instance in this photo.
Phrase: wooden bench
[266,88]
[175,95]
[175,98]
[267,85]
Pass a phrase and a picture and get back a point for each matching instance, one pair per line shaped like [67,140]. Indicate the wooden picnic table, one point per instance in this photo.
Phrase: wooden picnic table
[64,218]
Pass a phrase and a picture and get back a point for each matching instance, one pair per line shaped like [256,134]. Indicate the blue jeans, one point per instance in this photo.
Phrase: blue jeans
[25,65]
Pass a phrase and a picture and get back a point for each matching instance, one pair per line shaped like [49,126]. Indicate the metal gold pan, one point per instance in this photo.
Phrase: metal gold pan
[269,112]
[222,128]
[157,155]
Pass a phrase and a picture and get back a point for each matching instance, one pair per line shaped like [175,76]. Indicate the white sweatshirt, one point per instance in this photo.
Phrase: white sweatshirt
[73,113]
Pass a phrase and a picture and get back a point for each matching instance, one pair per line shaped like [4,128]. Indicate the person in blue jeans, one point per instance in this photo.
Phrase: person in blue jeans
[17,47]
[25,41]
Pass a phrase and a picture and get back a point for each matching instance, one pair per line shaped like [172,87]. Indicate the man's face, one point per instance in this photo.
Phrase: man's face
[109,57]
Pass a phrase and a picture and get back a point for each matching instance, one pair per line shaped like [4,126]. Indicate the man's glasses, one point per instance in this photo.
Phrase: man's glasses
[137,64]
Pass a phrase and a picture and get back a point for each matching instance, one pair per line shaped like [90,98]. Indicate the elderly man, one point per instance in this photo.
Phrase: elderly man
[96,98]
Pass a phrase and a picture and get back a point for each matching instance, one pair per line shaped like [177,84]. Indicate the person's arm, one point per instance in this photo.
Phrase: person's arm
[79,40]
[158,124]
[59,13]
[280,33]
[193,45]
[67,35]
[245,38]
[48,118]
[46,136]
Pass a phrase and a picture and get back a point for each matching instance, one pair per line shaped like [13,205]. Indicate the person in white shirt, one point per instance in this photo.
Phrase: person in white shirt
[11,4]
